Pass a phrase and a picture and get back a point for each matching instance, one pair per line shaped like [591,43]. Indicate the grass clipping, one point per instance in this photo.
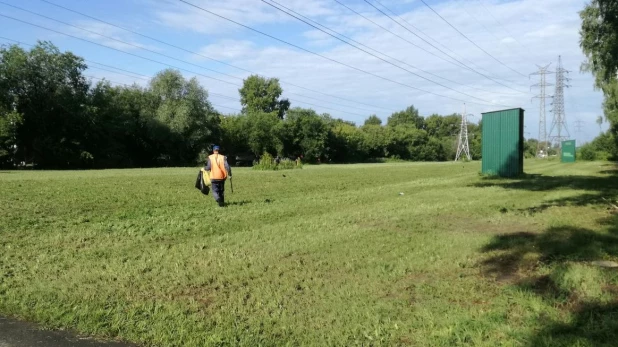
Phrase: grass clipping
[268,163]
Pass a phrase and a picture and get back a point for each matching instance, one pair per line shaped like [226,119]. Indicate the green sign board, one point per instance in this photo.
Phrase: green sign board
[568,151]
[503,143]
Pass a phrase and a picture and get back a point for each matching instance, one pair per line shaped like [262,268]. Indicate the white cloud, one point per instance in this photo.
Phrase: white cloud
[520,33]
[317,38]
[508,40]
[248,12]
[228,49]
[116,37]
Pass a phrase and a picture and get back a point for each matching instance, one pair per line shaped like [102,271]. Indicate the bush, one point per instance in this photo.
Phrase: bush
[588,152]
[202,158]
[267,162]
[288,164]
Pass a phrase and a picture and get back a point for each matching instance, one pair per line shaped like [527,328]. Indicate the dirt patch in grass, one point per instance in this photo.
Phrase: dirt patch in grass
[543,286]
[510,267]
[612,289]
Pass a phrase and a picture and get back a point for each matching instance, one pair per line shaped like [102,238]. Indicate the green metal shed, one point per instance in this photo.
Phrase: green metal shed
[568,151]
[503,142]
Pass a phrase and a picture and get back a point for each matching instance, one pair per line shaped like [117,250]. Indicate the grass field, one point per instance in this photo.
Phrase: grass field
[327,255]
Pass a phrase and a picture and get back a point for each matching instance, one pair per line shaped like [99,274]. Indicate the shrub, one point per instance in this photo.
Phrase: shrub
[587,152]
[267,162]
[202,158]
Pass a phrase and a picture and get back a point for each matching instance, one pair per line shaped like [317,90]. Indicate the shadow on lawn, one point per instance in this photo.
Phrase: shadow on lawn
[601,190]
[593,322]
[514,258]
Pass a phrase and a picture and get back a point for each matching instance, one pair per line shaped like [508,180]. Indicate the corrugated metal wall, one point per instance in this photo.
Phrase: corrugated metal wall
[503,142]
[568,151]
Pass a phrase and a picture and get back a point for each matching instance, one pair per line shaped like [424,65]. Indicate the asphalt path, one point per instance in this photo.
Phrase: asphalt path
[15,333]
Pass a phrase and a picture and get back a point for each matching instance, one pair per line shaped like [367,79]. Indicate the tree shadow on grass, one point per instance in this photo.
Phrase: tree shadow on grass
[594,322]
[600,190]
[556,244]
[535,182]
[513,259]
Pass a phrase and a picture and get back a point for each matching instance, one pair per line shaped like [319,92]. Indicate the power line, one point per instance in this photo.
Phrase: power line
[481,23]
[165,64]
[210,93]
[382,53]
[431,38]
[320,55]
[474,43]
[386,55]
[94,62]
[213,59]
[236,99]
[120,41]
[397,35]
[462,65]
[116,72]
[373,55]
[107,37]
[500,23]
[127,85]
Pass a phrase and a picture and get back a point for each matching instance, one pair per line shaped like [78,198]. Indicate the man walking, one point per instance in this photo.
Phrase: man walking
[219,171]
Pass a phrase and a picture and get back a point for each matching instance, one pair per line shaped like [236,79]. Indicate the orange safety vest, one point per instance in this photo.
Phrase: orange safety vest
[217,167]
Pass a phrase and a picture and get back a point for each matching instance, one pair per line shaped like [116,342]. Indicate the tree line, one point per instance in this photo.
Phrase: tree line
[52,116]
[599,43]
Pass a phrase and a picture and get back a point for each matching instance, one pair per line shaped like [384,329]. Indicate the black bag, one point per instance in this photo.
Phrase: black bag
[199,184]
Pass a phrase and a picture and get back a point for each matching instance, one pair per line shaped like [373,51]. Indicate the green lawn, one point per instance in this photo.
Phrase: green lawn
[327,255]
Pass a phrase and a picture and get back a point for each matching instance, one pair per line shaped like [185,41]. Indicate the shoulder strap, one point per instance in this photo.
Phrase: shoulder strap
[217,162]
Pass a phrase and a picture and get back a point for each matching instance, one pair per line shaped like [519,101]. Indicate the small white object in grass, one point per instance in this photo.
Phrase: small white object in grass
[605,263]
[401,193]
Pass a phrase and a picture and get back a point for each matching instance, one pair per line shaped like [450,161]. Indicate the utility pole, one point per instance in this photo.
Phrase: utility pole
[559,131]
[543,144]
[462,143]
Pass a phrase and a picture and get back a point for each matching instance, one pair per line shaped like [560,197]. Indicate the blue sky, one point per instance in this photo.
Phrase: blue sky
[520,34]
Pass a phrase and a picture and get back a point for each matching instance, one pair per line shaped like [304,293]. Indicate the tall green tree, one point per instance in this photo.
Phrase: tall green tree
[308,132]
[375,141]
[233,134]
[443,126]
[261,132]
[259,94]
[48,89]
[373,120]
[346,143]
[183,107]
[409,116]
[9,123]
[599,42]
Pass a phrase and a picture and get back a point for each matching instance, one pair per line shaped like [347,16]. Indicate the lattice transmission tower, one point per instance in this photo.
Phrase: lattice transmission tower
[579,125]
[463,146]
[559,130]
[543,144]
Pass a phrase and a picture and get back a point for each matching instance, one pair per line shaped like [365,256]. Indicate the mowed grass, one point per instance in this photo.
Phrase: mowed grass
[327,255]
